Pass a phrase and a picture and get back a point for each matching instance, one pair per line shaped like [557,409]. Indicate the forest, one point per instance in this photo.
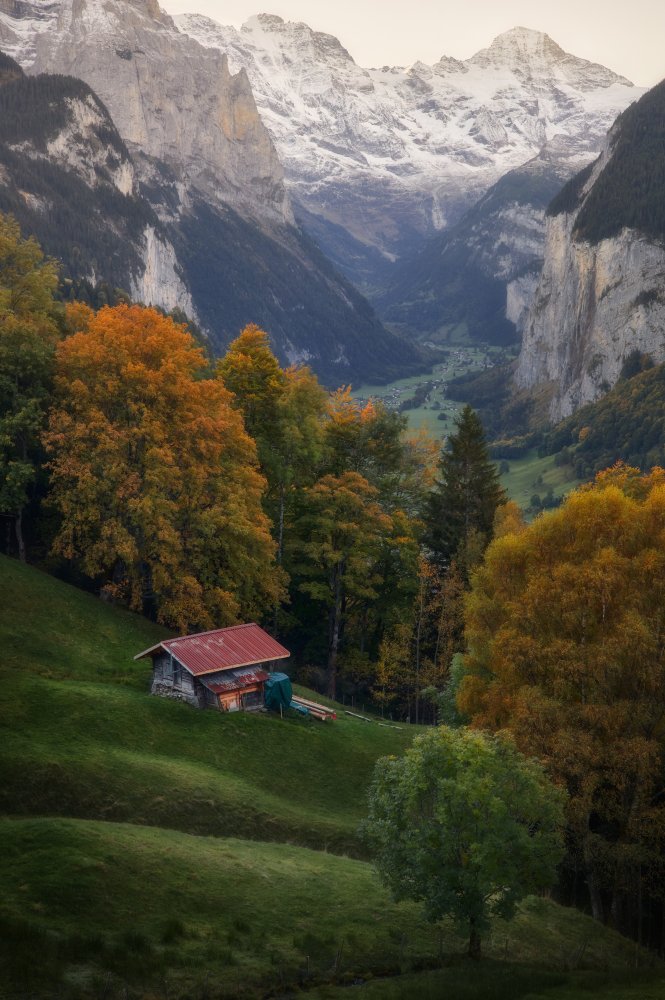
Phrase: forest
[200,492]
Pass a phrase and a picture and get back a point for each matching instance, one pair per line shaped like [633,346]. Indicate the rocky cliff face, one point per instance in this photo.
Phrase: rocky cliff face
[593,306]
[602,290]
[169,98]
[210,210]
[379,159]
[68,178]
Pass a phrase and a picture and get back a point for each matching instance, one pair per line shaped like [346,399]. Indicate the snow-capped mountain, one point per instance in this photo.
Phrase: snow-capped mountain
[377,159]
[221,238]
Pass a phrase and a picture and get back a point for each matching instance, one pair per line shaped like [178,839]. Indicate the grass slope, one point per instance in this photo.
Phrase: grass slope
[192,916]
[81,737]
[531,474]
[108,886]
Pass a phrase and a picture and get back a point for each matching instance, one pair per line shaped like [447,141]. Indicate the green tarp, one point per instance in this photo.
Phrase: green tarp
[278,692]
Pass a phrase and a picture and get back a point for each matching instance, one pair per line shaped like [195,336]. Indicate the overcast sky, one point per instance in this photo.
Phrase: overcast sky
[626,36]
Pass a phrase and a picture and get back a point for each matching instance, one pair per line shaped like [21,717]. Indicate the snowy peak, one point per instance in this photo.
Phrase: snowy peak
[390,155]
[275,35]
[534,55]
[298,32]
[519,48]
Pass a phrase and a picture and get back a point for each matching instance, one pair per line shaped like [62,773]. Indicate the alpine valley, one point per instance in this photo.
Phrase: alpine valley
[260,175]
[378,161]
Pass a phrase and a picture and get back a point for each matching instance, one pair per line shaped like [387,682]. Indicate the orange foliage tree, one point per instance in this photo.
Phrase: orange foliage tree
[566,632]
[154,475]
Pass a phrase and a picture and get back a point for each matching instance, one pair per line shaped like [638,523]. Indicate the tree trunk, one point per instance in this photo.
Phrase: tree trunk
[595,896]
[280,535]
[18,527]
[474,940]
[335,620]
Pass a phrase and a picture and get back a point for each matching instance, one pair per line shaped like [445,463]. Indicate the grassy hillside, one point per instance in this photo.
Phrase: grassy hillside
[227,916]
[81,736]
[154,852]
[531,474]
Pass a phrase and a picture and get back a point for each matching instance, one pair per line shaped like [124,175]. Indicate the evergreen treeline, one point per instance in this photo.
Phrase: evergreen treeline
[630,190]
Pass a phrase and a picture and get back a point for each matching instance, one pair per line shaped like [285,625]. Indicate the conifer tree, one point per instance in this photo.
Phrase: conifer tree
[462,507]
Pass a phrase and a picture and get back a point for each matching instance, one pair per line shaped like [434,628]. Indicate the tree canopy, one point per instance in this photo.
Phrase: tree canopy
[462,506]
[28,334]
[565,625]
[154,476]
[465,824]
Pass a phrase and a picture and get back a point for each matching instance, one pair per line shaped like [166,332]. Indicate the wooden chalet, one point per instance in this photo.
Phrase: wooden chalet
[225,669]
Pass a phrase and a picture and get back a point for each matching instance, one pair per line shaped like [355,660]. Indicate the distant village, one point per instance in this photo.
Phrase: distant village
[430,390]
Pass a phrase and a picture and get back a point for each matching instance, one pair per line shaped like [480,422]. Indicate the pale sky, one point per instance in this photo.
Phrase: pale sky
[627,36]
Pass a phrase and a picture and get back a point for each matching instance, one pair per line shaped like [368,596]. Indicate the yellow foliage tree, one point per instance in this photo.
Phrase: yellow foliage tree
[566,632]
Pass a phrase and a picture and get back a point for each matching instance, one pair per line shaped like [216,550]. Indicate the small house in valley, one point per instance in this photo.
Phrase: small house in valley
[225,669]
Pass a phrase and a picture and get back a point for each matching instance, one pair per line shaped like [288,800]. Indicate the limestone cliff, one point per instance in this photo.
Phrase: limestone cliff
[602,290]
[208,224]
[68,178]
[170,98]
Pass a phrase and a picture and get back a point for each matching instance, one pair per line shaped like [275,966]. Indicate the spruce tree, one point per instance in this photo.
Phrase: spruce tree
[461,509]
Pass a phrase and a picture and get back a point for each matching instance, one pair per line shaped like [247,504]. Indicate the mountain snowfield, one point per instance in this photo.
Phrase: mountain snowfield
[392,155]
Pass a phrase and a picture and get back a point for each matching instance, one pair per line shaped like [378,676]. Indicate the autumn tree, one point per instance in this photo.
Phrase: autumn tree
[28,334]
[154,476]
[566,627]
[466,825]
[463,504]
[371,440]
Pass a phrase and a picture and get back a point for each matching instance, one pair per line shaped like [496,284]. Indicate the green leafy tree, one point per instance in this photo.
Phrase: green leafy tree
[465,824]
[341,534]
[28,334]
[283,411]
[463,504]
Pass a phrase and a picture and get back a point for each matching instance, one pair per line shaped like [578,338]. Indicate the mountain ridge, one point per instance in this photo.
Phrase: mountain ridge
[199,151]
[391,156]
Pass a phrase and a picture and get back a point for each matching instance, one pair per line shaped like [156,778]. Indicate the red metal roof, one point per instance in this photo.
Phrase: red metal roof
[236,680]
[221,649]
